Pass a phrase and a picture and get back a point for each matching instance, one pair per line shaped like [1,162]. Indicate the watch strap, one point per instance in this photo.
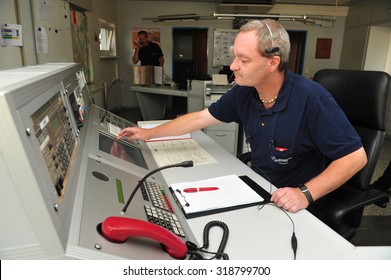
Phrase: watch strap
[307,193]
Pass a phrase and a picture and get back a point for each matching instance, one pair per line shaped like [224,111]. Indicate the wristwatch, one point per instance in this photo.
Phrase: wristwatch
[307,193]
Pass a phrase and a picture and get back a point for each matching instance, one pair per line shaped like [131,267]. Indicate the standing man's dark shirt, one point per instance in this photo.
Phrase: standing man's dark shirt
[150,54]
[146,52]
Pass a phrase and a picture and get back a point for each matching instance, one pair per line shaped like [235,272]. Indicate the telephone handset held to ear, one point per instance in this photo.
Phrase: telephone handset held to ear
[118,229]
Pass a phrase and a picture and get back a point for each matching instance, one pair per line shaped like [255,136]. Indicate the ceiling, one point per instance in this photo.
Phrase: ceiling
[300,2]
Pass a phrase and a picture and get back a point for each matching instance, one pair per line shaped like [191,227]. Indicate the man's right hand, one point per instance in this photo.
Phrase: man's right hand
[138,45]
[134,133]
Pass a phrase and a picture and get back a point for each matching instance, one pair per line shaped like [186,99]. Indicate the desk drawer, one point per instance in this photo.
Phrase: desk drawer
[226,139]
[223,126]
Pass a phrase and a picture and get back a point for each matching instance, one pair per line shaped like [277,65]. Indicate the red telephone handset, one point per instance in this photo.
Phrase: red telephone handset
[118,229]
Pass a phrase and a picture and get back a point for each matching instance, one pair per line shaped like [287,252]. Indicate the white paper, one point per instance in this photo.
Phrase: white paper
[158,75]
[219,79]
[152,124]
[45,10]
[113,129]
[41,40]
[176,151]
[232,191]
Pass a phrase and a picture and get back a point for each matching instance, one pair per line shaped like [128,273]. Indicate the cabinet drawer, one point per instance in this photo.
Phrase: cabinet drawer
[223,126]
[226,139]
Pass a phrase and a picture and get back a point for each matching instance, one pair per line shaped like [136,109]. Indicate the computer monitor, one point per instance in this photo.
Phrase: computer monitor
[184,70]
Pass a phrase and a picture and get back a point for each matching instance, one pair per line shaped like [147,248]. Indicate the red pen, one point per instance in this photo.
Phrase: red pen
[203,189]
[281,149]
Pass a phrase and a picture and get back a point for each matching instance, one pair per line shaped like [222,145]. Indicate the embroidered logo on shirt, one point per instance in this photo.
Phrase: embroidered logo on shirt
[281,160]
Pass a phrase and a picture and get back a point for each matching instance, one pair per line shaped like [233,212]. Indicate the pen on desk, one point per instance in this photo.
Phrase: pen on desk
[202,189]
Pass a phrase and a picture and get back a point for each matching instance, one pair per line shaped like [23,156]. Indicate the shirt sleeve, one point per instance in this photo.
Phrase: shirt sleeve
[226,108]
[331,130]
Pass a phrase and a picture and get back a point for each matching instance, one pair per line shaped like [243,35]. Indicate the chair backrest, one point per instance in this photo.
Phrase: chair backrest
[364,97]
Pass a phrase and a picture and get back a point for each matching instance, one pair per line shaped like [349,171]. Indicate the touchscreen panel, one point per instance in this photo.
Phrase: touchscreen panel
[122,150]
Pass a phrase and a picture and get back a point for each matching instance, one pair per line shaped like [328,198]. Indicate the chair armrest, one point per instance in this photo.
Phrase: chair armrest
[352,200]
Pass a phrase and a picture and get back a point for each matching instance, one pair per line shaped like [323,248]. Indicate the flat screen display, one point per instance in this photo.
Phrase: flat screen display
[122,150]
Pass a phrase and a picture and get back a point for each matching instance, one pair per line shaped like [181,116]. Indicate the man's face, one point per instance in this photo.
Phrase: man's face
[143,40]
[249,66]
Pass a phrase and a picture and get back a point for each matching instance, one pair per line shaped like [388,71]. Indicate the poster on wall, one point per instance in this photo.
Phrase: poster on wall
[153,35]
[222,46]
[11,34]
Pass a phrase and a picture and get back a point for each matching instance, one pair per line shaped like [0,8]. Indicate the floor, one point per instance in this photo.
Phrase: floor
[375,229]
[384,159]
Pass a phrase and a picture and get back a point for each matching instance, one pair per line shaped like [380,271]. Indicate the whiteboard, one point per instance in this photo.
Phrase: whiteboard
[223,46]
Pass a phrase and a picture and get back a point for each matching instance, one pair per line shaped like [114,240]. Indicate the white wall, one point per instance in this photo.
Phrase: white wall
[335,32]
[105,69]
[378,48]
[10,56]
[378,57]
[130,14]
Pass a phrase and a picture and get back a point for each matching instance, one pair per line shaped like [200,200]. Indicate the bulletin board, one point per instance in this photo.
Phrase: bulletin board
[52,30]
[223,46]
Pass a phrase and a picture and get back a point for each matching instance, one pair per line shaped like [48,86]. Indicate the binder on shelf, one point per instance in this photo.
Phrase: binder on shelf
[217,195]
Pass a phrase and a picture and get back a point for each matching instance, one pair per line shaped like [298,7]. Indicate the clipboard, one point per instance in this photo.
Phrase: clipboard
[243,192]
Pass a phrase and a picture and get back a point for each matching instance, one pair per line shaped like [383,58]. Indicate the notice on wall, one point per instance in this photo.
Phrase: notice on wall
[41,40]
[223,46]
[11,34]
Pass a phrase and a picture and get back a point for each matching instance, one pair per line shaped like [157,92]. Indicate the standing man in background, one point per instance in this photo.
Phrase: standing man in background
[147,52]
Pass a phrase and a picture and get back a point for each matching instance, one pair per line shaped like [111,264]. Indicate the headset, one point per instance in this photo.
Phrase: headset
[272,50]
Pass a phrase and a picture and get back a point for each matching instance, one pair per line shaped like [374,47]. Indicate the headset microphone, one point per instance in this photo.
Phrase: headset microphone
[188,163]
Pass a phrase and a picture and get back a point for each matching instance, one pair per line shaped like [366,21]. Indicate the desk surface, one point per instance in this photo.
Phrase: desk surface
[258,234]
[156,89]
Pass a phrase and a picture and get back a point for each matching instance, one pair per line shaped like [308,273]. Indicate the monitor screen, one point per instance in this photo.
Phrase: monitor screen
[184,70]
[122,150]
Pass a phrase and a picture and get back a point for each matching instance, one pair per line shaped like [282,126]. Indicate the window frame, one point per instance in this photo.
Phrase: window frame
[110,49]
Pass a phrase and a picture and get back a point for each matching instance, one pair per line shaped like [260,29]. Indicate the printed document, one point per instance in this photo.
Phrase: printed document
[176,151]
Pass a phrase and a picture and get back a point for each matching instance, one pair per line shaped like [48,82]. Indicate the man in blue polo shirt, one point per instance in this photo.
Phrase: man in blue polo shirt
[299,137]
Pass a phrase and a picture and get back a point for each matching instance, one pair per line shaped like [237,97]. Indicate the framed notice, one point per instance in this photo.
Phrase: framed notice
[222,46]
[323,48]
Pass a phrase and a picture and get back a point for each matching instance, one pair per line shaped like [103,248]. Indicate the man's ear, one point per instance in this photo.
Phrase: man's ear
[274,63]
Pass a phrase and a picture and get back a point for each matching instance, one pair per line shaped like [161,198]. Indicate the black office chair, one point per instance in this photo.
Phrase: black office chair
[363,96]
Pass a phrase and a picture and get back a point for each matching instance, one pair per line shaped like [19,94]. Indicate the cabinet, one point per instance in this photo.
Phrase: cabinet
[359,14]
[366,43]
[201,95]
[354,47]
[381,11]
[226,134]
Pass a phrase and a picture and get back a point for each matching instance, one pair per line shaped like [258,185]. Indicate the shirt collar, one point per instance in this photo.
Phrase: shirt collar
[283,95]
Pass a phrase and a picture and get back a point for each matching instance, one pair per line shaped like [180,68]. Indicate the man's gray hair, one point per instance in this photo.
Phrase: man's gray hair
[273,40]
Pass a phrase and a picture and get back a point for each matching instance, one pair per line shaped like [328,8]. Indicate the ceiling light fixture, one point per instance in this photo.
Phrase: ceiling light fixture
[219,16]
